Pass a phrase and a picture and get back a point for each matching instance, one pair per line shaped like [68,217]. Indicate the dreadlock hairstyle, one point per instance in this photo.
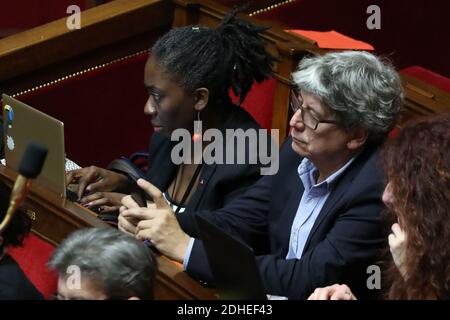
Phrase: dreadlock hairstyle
[417,164]
[231,56]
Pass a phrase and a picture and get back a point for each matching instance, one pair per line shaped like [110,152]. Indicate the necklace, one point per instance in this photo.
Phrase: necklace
[188,189]
[179,173]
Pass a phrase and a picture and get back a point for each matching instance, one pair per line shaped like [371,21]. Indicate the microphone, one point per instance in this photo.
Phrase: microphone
[30,167]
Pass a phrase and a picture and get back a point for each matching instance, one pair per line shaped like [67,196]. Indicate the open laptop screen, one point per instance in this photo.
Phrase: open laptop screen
[23,124]
[232,263]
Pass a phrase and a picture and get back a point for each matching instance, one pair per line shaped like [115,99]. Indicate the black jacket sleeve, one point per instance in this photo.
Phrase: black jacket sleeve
[339,249]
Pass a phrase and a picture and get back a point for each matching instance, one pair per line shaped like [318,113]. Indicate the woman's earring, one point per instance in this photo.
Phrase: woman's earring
[197,136]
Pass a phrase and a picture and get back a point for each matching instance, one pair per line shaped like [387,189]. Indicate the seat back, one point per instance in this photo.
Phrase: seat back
[428,76]
[259,102]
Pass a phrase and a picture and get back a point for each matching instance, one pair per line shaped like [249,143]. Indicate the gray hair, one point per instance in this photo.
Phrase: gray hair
[123,266]
[360,89]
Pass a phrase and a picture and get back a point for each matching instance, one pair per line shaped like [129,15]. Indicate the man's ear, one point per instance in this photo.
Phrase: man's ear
[358,138]
[201,96]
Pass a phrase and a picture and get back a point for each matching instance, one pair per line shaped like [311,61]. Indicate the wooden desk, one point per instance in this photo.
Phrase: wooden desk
[109,31]
[55,217]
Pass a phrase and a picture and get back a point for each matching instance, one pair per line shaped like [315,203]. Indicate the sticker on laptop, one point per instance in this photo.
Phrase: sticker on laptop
[9,125]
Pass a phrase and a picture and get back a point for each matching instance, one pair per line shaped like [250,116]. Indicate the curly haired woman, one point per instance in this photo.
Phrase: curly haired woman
[417,195]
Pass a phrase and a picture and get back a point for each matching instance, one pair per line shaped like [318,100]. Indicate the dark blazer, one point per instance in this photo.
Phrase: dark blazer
[14,285]
[343,242]
[218,183]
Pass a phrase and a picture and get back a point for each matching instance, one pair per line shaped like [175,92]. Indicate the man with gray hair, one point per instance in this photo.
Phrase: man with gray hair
[99,264]
[317,221]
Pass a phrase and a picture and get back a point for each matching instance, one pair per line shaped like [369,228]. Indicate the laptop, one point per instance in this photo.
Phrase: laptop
[22,124]
[232,263]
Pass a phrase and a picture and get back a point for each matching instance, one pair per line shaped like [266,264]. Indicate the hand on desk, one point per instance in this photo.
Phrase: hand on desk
[93,179]
[156,222]
[105,201]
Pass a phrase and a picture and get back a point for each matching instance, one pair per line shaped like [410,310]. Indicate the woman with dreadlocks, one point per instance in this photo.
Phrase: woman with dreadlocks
[188,75]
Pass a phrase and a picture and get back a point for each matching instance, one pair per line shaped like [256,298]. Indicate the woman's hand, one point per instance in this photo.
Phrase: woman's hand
[397,244]
[156,223]
[104,201]
[127,224]
[334,292]
[93,179]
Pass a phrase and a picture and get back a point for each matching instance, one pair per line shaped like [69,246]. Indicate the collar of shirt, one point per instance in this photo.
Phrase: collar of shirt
[308,174]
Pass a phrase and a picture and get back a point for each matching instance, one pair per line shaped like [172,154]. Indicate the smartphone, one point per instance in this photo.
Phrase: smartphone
[108,217]
[139,198]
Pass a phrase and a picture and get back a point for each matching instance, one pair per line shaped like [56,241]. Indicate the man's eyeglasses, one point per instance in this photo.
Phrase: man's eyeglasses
[308,118]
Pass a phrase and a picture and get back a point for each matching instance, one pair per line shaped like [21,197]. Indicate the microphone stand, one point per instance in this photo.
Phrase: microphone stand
[18,195]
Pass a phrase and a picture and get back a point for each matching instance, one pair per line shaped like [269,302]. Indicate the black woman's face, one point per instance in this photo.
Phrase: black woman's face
[169,104]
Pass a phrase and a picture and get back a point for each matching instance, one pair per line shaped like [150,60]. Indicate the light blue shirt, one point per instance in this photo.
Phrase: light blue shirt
[187,253]
[311,203]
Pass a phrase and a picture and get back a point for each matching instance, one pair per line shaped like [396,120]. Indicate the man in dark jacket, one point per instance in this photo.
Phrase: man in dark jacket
[315,222]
